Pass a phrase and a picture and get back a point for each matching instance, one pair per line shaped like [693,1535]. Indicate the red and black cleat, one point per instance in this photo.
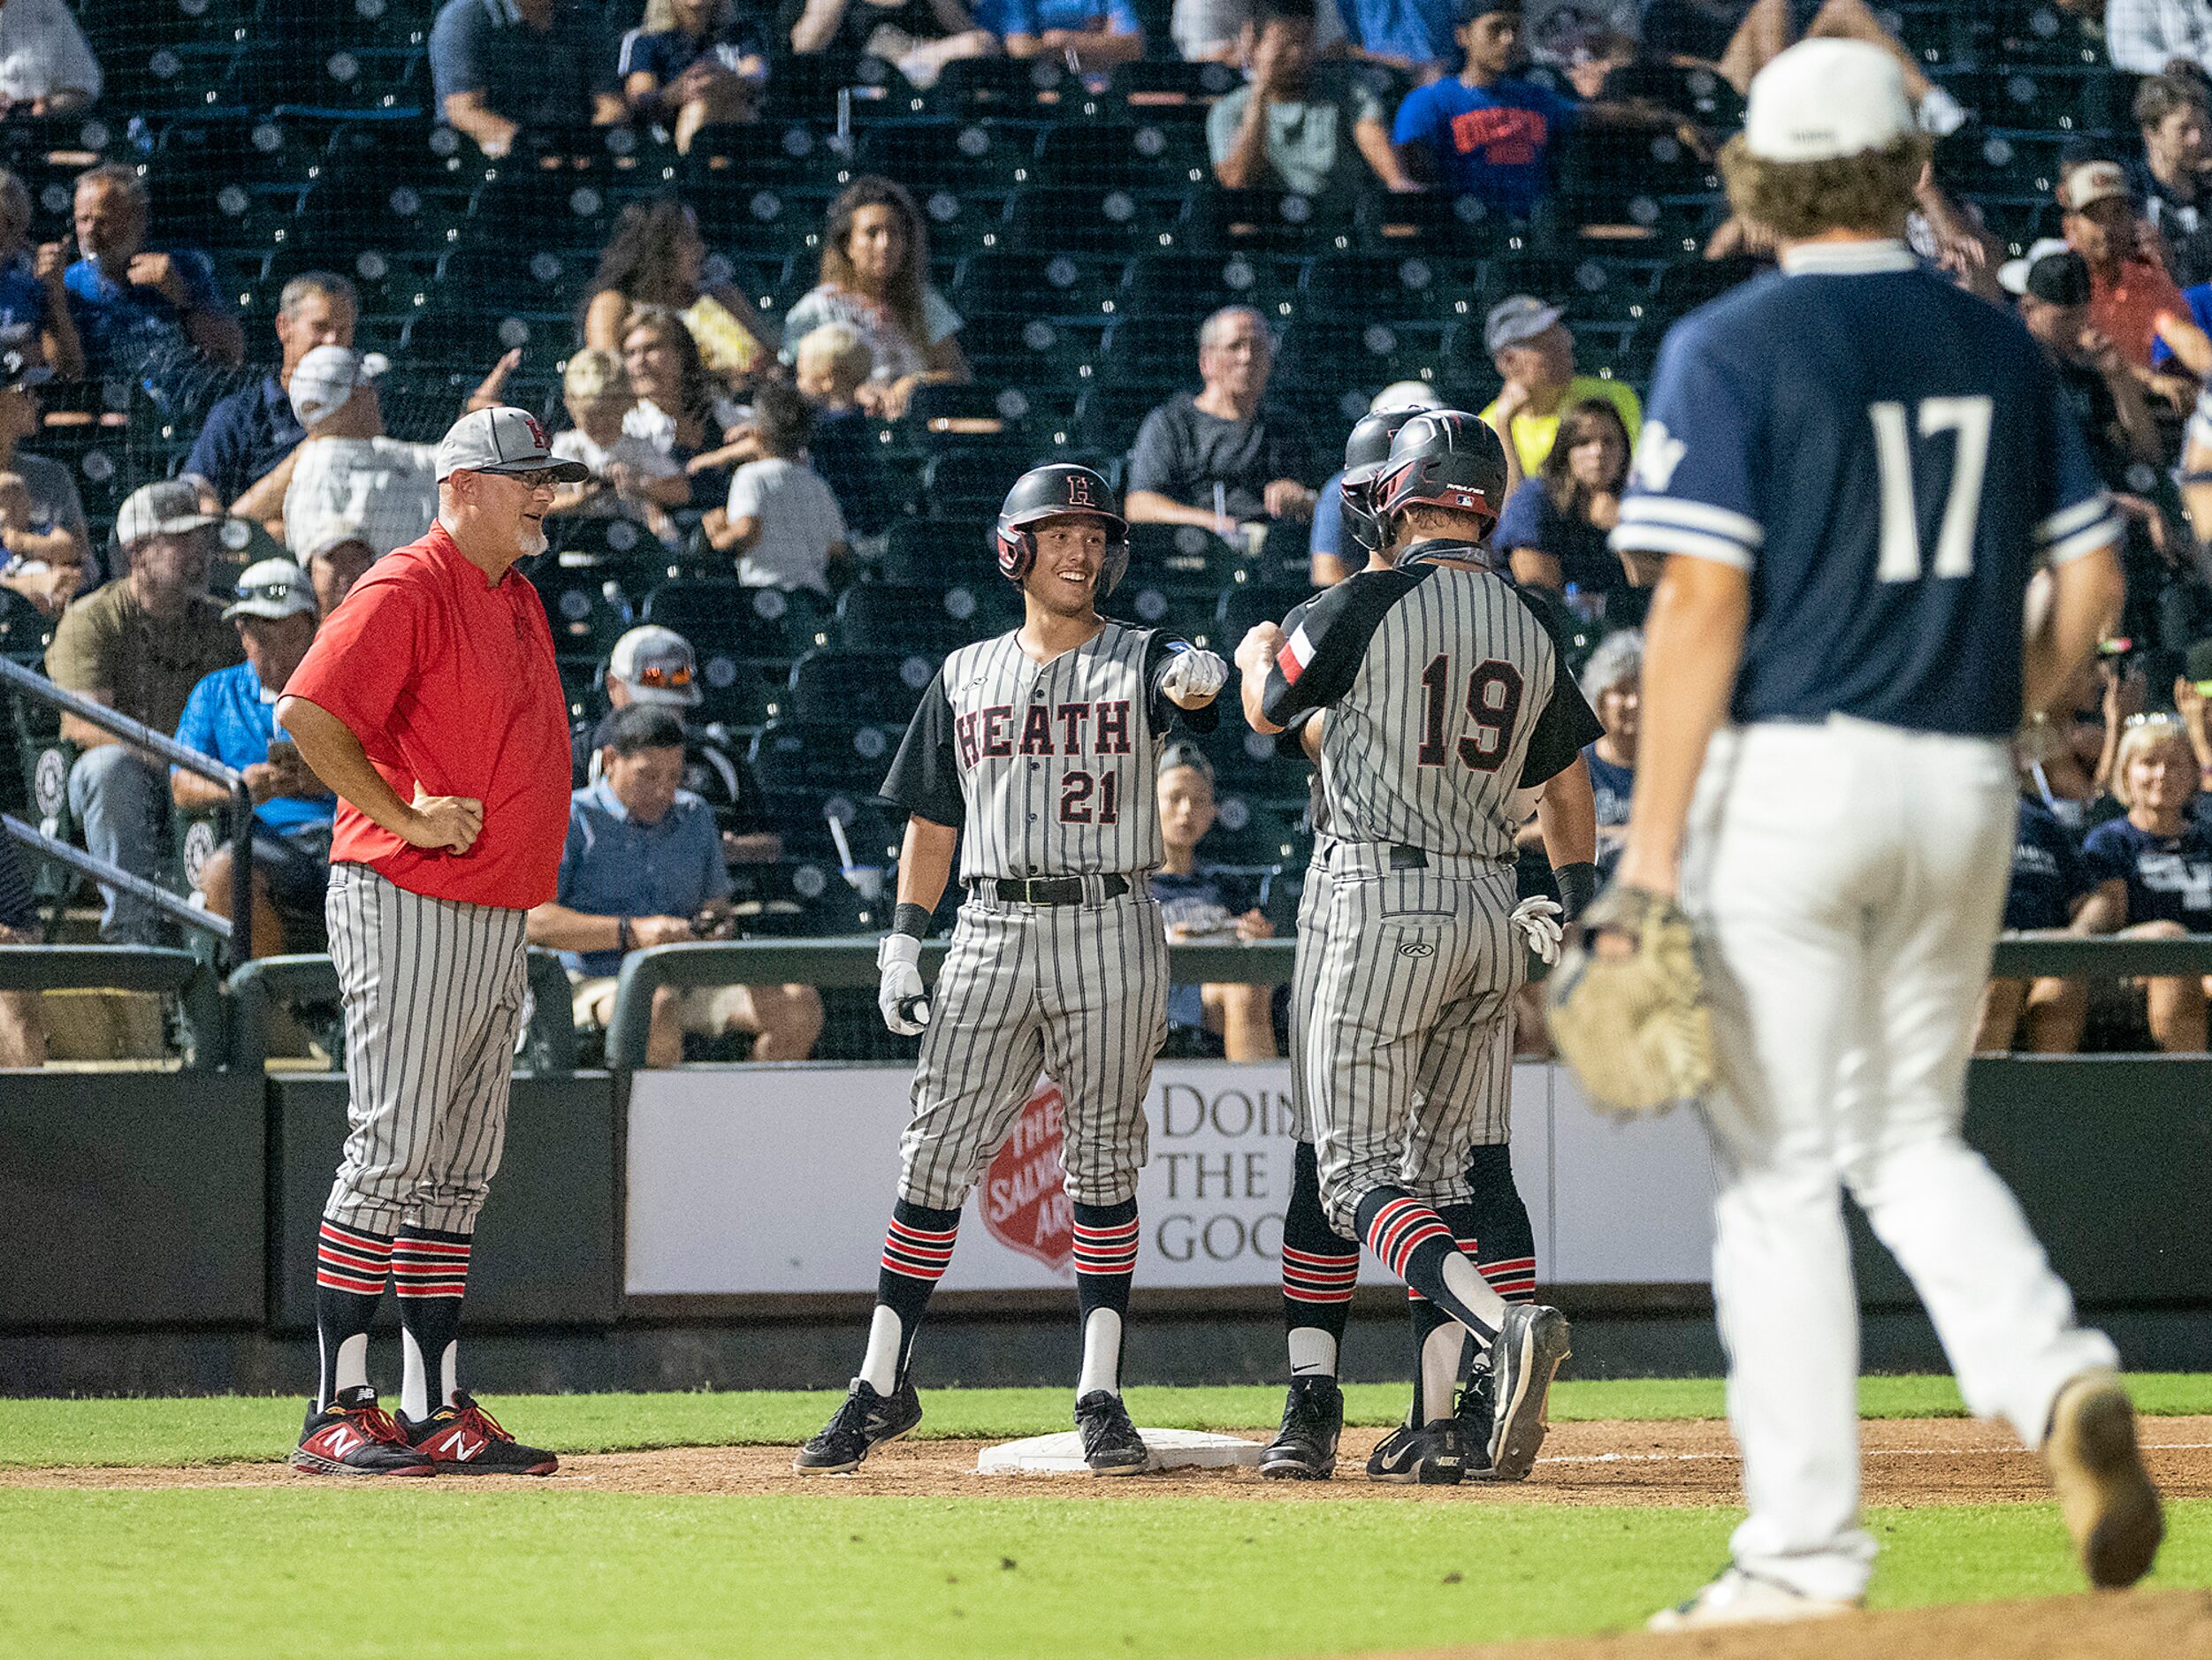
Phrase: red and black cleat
[357,1437]
[463,1439]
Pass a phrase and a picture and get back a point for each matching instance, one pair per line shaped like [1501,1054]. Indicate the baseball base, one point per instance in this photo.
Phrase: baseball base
[1171,1450]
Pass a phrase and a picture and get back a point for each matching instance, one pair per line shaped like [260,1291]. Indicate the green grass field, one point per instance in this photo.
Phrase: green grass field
[528,1569]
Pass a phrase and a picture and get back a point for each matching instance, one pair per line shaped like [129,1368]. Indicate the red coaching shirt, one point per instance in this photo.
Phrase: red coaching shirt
[449,682]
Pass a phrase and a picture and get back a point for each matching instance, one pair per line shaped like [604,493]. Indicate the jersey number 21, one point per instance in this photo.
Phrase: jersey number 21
[1967,419]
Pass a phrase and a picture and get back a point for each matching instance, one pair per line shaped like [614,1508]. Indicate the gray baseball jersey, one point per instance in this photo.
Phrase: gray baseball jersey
[1047,770]
[1446,695]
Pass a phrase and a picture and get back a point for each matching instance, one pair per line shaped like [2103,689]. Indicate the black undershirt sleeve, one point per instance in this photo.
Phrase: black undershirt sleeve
[1566,726]
[1327,638]
[925,776]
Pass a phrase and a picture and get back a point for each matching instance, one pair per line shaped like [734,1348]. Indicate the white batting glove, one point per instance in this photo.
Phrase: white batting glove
[900,997]
[1193,678]
[1538,919]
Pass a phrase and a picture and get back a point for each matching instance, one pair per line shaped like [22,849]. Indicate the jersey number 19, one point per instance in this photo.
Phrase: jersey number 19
[1493,699]
[1968,420]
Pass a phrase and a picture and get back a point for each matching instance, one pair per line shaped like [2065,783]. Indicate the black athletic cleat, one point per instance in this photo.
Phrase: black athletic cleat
[1305,1448]
[357,1437]
[863,1423]
[1434,1455]
[1477,1411]
[466,1440]
[1531,1345]
[1112,1446]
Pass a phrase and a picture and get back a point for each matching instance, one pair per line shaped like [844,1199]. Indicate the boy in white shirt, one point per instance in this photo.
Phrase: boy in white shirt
[783,523]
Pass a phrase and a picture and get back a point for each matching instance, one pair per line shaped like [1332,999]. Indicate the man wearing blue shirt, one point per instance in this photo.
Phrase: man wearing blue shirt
[502,67]
[1100,33]
[232,717]
[247,434]
[643,866]
[143,312]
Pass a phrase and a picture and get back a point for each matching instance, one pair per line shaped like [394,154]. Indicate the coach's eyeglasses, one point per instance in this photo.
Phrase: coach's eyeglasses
[676,679]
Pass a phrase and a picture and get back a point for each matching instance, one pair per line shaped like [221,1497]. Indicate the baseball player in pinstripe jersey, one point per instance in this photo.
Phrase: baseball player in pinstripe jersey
[429,703]
[1443,699]
[1035,754]
[1320,1267]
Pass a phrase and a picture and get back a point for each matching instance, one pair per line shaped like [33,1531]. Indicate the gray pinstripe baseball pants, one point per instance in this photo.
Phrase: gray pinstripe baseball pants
[433,996]
[1312,945]
[1079,991]
[1409,1047]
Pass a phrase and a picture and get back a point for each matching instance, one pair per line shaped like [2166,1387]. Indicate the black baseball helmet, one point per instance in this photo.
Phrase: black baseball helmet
[1365,452]
[1046,493]
[1443,458]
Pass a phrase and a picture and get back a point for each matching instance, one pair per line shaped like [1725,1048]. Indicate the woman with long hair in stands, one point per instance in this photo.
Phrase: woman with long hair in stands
[875,280]
[1555,524]
[657,260]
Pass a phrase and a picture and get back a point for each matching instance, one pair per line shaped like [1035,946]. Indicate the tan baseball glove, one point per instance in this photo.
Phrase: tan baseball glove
[1634,1026]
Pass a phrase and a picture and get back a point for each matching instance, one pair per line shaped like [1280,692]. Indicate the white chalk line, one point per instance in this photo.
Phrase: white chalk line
[1872,1452]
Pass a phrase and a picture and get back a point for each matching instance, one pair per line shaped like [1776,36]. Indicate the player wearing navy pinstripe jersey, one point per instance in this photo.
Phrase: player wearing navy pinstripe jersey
[1854,468]
[1035,753]
[1408,1052]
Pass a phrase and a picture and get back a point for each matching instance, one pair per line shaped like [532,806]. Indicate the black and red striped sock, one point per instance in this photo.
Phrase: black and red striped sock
[430,1271]
[1105,1261]
[350,1269]
[1321,1269]
[917,1250]
[1417,1246]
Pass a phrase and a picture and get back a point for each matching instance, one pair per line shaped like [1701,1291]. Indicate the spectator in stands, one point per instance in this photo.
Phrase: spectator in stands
[2047,890]
[335,558]
[1533,351]
[643,866]
[2051,286]
[1613,682]
[679,411]
[653,667]
[1091,35]
[875,281]
[1333,556]
[1771,26]
[143,312]
[48,552]
[232,717]
[140,645]
[1213,31]
[22,1017]
[1486,134]
[656,261]
[1555,523]
[783,523]
[2143,36]
[2174,112]
[631,478]
[33,297]
[249,433]
[919,37]
[1415,37]
[829,367]
[1205,904]
[2153,868]
[2133,300]
[701,66]
[500,68]
[46,64]
[1292,127]
[345,469]
[1225,444]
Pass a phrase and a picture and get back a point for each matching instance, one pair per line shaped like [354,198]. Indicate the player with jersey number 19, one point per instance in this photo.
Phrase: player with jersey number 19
[431,703]
[1834,663]
[1033,754]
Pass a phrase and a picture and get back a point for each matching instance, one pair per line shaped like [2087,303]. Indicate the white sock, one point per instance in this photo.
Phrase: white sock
[352,1370]
[878,1367]
[1443,1351]
[1101,1354]
[1465,1282]
[1313,1353]
[414,1378]
[449,1374]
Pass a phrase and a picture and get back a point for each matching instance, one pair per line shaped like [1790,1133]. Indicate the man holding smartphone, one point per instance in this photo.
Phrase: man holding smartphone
[232,717]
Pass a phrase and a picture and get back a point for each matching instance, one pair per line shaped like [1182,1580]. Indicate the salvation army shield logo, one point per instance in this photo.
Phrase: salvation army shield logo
[1024,1193]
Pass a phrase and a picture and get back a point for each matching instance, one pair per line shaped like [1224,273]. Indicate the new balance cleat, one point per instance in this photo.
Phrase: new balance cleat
[355,1436]
[466,1440]
[864,1422]
[1112,1446]
[1305,1448]
[2110,1507]
[1530,1346]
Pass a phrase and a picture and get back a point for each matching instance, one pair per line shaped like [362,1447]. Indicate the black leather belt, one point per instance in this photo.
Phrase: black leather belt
[1405,858]
[1050,890]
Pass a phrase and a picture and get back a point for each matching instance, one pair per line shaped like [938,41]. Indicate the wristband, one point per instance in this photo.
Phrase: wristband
[623,940]
[1578,886]
[910,918]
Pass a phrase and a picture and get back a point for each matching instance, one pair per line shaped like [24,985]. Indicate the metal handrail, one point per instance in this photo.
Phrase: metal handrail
[115,876]
[240,936]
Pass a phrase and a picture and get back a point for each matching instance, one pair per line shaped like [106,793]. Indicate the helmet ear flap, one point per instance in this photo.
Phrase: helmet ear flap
[1113,567]
[1017,551]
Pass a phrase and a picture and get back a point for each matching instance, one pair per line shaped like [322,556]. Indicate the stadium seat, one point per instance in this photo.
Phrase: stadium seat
[1155,353]
[877,688]
[1002,86]
[1043,351]
[1381,286]
[1002,285]
[940,153]
[1159,155]
[1282,221]
[586,609]
[937,617]
[1191,284]
[761,624]
[796,757]
[969,482]
[1095,217]
[793,897]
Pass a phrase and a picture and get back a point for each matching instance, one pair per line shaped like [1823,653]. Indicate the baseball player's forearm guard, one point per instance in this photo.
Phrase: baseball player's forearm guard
[1578,886]
[911,918]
